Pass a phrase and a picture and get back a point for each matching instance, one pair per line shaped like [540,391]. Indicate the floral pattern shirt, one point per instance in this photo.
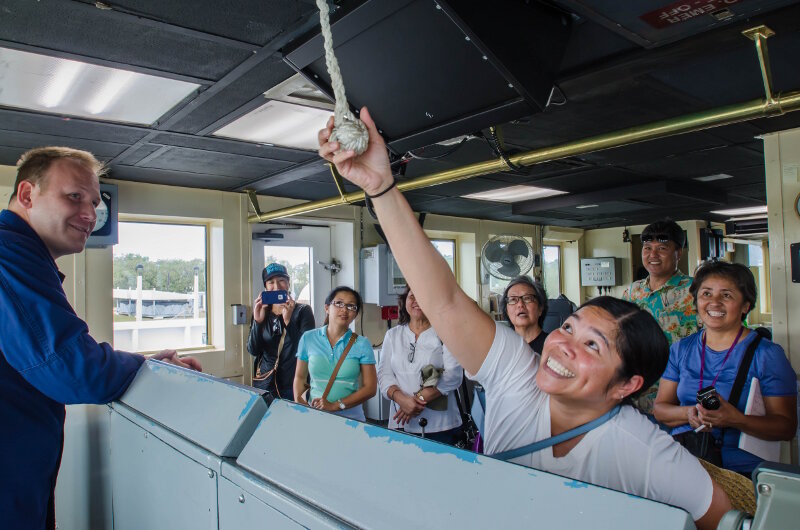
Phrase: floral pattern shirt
[673,308]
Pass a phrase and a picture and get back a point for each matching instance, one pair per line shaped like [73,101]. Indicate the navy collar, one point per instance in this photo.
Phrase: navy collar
[15,223]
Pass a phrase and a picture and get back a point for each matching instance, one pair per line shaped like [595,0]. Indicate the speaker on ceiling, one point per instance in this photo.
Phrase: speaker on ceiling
[433,70]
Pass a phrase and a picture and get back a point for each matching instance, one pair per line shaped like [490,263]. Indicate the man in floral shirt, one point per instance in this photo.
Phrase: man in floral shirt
[665,291]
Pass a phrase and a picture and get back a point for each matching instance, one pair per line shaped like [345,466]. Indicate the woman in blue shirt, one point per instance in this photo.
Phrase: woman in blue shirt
[320,350]
[724,293]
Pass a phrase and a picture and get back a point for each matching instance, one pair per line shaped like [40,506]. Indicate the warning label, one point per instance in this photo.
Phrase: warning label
[680,11]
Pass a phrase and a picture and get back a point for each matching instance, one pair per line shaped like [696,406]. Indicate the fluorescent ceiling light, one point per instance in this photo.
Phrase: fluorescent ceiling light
[718,176]
[742,211]
[49,84]
[279,123]
[587,206]
[514,194]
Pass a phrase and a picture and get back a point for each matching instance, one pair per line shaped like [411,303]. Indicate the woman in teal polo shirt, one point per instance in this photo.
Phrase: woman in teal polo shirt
[319,352]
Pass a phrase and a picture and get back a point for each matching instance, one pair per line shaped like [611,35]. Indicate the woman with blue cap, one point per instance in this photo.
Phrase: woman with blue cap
[274,335]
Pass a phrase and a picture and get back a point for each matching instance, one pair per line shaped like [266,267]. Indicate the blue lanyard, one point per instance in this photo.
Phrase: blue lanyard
[553,440]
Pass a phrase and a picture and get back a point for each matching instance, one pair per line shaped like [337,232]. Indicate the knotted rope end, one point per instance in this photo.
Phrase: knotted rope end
[351,135]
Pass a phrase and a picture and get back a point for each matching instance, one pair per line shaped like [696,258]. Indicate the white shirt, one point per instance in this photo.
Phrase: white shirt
[395,369]
[627,453]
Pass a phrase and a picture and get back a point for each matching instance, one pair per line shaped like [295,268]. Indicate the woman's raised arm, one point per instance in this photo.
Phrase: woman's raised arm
[467,331]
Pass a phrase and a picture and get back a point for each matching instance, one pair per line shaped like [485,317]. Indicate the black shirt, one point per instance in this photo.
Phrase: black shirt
[538,343]
[264,339]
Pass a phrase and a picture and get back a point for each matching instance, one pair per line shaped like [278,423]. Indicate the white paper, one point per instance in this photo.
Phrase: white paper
[768,450]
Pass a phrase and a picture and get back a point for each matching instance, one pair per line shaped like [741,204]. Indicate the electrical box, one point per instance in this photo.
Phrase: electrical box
[381,279]
[600,272]
[239,314]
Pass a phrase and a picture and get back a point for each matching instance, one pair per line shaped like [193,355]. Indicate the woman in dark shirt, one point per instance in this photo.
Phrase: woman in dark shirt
[269,322]
[524,304]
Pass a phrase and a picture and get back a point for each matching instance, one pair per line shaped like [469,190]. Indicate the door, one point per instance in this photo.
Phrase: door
[301,249]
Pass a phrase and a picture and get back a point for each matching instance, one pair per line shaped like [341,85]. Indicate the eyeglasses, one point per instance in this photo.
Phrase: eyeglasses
[661,238]
[526,299]
[342,305]
[411,353]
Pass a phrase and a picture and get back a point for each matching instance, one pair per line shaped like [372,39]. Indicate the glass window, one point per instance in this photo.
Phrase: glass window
[552,270]
[160,295]
[447,248]
[297,261]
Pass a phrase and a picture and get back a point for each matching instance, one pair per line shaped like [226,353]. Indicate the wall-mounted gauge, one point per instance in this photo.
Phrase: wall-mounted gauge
[105,229]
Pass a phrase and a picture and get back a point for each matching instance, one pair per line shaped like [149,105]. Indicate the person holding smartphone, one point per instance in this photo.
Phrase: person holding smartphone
[275,333]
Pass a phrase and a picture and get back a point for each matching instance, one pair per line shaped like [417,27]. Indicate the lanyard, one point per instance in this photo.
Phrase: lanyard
[703,358]
[553,440]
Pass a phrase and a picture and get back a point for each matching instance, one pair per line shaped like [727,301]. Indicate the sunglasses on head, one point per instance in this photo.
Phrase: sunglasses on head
[661,238]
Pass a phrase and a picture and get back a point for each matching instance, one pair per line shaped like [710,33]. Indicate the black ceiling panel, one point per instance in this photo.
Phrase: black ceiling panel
[25,141]
[233,147]
[90,33]
[211,163]
[29,122]
[700,163]
[253,21]
[173,178]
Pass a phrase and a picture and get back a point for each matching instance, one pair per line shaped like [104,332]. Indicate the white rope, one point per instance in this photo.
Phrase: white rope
[349,131]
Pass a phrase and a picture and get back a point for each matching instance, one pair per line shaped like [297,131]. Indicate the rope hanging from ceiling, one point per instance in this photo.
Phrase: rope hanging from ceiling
[348,130]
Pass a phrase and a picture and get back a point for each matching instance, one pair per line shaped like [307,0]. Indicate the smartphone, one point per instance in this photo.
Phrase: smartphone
[274,297]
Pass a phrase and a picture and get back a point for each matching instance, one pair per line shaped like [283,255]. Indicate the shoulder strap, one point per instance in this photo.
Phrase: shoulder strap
[350,343]
[744,368]
[553,440]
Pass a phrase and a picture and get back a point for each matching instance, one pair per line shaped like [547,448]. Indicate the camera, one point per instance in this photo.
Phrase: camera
[708,398]
[274,297]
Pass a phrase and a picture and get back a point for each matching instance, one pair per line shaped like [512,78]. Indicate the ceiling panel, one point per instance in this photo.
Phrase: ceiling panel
[211,163]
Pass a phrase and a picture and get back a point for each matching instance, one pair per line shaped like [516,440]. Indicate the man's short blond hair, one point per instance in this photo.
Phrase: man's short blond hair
[33,164]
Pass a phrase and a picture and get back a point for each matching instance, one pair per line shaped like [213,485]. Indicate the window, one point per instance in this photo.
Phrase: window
[447,248]
[552,270]
[297,261]
[160,294]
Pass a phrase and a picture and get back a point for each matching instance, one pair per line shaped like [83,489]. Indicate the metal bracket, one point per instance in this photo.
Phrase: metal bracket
[337,178]
[251,193]
[759,35]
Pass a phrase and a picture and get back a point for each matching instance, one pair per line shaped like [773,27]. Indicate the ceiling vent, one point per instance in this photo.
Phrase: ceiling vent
[751,226]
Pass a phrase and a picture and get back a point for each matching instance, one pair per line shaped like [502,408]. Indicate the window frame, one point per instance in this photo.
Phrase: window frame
[454,242]
[208,225]
[560,246]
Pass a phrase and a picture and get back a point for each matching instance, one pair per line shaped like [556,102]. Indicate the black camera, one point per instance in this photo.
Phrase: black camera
[708,398]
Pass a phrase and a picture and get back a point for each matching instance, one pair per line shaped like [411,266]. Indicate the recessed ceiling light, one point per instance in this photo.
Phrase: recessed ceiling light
[279,123]
[514,194]
[742,211]
[718,176]
[587,206]
[48,84]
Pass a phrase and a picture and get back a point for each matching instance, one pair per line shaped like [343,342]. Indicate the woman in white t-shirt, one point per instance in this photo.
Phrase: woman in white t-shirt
[410,350]
[602,356]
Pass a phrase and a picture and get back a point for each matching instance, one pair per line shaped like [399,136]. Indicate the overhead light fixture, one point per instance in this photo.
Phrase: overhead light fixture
[514,194]
[587,206]
[753,210]
[110,90]
[718,176]
[42,83]
[60,83]
[279,123]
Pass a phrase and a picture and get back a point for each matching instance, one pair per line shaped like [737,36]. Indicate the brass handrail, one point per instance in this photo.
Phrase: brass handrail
[684,124]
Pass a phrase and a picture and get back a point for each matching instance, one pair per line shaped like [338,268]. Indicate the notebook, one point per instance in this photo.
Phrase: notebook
[768,450]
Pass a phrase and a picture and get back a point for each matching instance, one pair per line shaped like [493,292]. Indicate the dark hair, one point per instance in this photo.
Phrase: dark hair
[538,292]
[402,313]
[640,342]
[735,272]
[340,289]
[668,227]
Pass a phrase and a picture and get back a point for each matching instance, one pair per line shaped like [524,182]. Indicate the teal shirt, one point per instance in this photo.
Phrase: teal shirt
[315,349]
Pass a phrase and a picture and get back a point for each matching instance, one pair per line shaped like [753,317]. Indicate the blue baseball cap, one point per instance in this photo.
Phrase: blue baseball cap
[272,270]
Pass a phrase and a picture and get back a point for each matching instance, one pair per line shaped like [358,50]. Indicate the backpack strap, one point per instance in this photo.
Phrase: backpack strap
[744,368]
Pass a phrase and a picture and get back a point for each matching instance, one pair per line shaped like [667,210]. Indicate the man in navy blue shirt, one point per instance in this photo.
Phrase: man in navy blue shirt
[47,357]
